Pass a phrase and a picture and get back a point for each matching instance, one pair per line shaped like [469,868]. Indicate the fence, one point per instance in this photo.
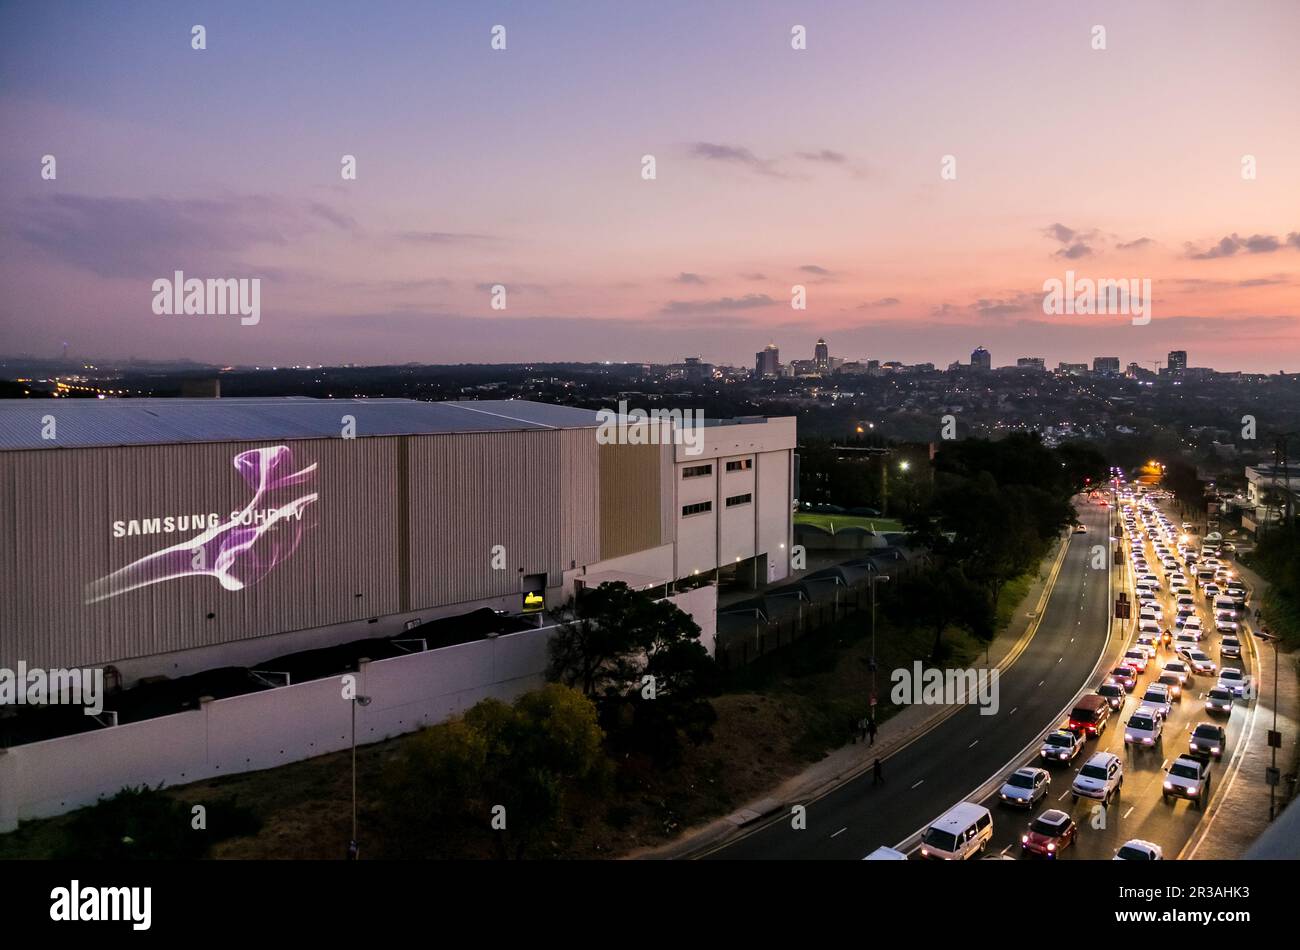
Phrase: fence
[742,640]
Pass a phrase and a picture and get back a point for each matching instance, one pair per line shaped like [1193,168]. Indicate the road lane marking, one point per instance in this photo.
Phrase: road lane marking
[1063,794]
[840,832]
[918,783]
[1013,710]
[1129,812]
[973,744]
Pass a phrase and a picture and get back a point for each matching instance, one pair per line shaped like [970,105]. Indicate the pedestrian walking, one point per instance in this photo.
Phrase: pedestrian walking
[862,730]
[871,730]
[877,775]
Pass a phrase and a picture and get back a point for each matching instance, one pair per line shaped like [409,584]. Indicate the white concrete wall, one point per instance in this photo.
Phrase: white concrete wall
[702,604]
[289,724]
[266,729]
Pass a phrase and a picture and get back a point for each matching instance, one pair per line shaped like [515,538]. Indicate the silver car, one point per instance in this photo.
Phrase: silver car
[1025,787]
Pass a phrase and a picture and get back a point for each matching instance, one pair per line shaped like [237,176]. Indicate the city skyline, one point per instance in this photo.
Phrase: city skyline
[485,170]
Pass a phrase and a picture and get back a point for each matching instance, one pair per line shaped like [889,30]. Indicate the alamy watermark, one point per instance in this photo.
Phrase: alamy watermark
[1127,296]
[214,296]
[632,427]
[935,687]
[36,686]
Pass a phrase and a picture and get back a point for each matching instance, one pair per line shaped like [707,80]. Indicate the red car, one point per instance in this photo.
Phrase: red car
[1049,834]
[1125,675]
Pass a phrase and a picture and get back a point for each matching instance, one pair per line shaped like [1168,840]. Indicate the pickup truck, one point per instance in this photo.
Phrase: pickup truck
[1188,776]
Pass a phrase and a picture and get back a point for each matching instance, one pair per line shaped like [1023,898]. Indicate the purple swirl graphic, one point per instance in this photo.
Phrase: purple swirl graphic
[240,551]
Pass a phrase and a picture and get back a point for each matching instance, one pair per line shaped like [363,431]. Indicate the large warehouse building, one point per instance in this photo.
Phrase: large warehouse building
[166,537]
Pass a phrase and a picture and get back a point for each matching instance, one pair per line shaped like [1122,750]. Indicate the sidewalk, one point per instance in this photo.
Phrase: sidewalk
[1242,813]
[851,760]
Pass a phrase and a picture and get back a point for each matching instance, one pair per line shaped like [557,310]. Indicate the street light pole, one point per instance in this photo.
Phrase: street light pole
[874,577]
[353,847]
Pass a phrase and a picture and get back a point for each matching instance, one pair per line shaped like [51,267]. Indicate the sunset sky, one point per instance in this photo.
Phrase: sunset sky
[775,167]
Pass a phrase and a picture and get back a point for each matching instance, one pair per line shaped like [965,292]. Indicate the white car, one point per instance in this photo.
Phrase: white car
[1157,696]
[1193,626]
[1061,746]
[1101,777]
[1232,678]
[1225,623]
[1179,669]
[1025,787]
[1200,663]
[1188,777]
[1136,849]
[1230,646]
[1137,659]
[1144,727]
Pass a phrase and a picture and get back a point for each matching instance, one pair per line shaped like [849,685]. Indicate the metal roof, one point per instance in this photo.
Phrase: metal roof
[80,423]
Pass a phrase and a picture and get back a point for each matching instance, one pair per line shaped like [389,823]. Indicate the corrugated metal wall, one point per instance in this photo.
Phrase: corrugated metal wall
[630,498]
[533,492]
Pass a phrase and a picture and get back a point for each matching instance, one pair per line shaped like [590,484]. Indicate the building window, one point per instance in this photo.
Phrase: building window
[740,465]
[695,471]
[697,508]
[735,500]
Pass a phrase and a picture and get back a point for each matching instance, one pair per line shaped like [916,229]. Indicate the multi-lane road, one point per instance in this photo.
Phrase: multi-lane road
[1140,811]
[950,762]
[965,756]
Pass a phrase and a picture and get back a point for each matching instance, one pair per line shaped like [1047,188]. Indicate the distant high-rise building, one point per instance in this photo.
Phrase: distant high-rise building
[822,356]
[767,362]
[1105,364]
[981,359]
[1177,361]
[1072,369]
[1031,362]
[696,370]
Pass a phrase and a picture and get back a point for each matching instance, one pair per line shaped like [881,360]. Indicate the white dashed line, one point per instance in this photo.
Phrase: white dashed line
[1013,711]
[840,832]
[1129,812]
[973,744]
[918,783]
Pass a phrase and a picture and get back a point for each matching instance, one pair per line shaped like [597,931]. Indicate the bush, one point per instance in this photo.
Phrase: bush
[143,824]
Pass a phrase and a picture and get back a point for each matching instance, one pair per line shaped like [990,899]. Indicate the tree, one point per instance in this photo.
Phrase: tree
[941,597]
[521,757]
[641,661]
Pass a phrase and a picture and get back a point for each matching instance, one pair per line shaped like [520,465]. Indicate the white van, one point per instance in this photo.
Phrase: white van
[962,832]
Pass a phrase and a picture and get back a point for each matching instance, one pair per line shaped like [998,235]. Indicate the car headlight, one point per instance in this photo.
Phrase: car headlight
[1128,737]
[1215,750]
[1024,839]
[1147,741]
[1063,755]
[1051,846]
[1169,785]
